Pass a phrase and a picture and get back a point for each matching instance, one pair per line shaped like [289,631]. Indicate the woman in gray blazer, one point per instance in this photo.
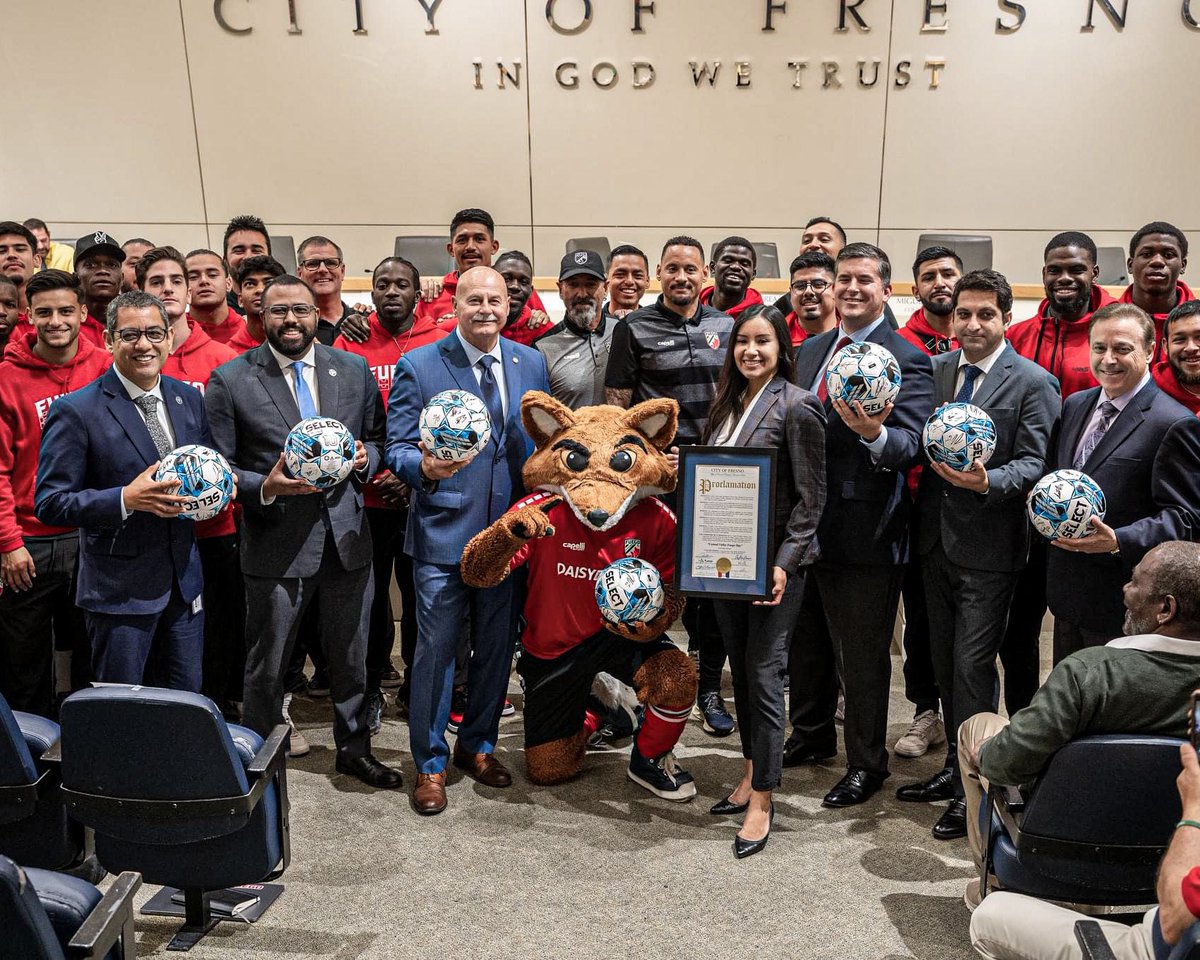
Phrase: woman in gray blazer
[758,405]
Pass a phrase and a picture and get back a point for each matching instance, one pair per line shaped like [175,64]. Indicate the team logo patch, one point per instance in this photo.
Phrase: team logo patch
[713,340]
[100,237]
[581,257]
[633,547]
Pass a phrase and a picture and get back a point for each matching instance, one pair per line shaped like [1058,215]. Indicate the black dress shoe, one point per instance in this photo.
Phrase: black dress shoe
[746,848]
[370,771]
[953,823]
[795,754]
[727,807]
[938,787]
[857,786]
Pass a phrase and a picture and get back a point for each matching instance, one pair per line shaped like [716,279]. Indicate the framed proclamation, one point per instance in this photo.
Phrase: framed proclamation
[726,522]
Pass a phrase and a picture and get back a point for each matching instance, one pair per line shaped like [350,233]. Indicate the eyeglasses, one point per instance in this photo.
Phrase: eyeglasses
[815,285]
[302,310]
[131,336]
[329,263]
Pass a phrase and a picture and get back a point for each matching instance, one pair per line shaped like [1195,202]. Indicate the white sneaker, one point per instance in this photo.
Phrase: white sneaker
[972,896]
[297,745]
[839,714]
[926,731]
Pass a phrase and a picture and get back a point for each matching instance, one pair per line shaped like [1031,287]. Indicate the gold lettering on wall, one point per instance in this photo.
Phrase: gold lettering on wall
[223,23]
[903,74]
[935,68]
[706,72]
[1187,15]
[431,10]
[639,8]
[604,75]
[799,66]
[773,7]
[934,7]
[850,7]
[560,75]
[643,74]
[293,25]
[862,73]
[1011,6]
[830,70]
[478,64]
[512,76]
[741,70]
[569,31]
[1118,19]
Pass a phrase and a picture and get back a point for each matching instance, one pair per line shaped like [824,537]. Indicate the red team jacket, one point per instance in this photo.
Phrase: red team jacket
[560,608]
[1165,377]
[921,335]
[751,299]
[28,385]
[444,303]
[232,326]
[1060,348]
[1184,293]
[92,330]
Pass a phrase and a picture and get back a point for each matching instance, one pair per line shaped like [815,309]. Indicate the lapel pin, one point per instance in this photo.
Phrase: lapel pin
[179,400]
[333,373]
[516,359]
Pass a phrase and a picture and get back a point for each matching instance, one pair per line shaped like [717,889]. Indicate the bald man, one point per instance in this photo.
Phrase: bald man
[451,502]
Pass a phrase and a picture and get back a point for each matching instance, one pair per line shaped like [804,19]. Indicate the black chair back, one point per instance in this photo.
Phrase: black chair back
[24,926]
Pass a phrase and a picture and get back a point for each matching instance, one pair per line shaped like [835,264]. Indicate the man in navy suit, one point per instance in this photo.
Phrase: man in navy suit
[139,570]
[1143,449]
[850,603]
[451,502]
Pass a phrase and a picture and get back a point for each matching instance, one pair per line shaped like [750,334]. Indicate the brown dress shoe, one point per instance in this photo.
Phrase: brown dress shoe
[484,767]
[429,795]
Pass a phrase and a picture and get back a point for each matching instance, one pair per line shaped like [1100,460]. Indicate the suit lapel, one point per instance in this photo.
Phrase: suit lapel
[1074,424]
[455,358]
[275,383]
[765,401]
[512,381]
[806,372]
[947,373]
[995,377]
[176,411]
[127,415]
[328,392]
[1127,421]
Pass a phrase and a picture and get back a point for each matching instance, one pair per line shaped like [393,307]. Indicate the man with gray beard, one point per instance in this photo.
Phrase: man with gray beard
[576,350]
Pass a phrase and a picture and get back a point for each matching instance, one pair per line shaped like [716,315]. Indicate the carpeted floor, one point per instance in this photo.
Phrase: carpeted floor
[599,868]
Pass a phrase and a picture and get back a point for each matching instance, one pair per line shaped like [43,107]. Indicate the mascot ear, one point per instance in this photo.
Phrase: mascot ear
[544,416]
[655,419]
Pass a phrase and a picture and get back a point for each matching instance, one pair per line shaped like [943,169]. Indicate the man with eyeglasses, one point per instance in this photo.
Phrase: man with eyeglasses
[321,266]
[139,577]
[298,540]
[811,296]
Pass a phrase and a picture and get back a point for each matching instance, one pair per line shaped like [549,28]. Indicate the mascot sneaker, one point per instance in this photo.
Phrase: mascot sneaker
[661,776]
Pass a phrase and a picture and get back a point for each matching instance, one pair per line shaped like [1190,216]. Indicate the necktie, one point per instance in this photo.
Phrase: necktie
[967,390]
[491,394]
[148,404]
[1108,413]
[304,397]
[822,391]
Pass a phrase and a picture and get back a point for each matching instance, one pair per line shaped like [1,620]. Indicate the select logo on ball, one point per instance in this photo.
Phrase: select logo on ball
[319,451]
[205,479]
[455,425]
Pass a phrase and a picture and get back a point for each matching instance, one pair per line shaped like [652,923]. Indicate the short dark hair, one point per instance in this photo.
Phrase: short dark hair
[813,260]
[1159,226]
[8,227]
[412,268]
[513,255]
[258,264]
[1125,311]
[137,300]
[8,281]
[985,281]
[1072,238]
[142,240]
[935,253]
[313,241]
[1189,308]
[473,215]
[286,280]
[49,280]
[683,241]
[833,223]
[627,250]
[33,223]
[868,251]
[205,252]
[151,257]
[245,221]
[735,242]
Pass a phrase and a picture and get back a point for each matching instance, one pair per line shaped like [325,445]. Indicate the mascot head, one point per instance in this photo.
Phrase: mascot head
[600,460]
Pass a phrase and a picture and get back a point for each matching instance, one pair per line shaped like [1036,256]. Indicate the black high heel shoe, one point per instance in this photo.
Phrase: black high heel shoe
[746,848]
[727,807]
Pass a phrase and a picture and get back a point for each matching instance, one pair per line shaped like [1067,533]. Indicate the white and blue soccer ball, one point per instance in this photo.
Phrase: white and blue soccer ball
[629,591]
[319,451]
[1061,505]
[455,425]
[865,372]
[958,434]
[205,480]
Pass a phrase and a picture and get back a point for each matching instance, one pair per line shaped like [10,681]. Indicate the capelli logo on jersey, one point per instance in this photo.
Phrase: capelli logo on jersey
[666,343]
[575,546]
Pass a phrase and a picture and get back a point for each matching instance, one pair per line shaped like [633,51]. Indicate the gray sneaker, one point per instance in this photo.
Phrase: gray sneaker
[297,745]
[926,731]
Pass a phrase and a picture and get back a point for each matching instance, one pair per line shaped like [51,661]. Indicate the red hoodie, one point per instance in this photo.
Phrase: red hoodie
[28,385]
[1184,294]
[1064,352]
[1168,383]
[920,333]
[519,331]
[751,299]
[231,326]
[443,304]
[92,330]
[243,340]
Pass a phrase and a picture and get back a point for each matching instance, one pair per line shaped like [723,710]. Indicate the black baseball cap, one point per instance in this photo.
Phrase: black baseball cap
[581,263]
[98,242]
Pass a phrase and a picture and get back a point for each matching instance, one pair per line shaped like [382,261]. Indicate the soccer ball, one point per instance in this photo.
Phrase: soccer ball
[205,480]
[630,591]
[958,434]
[1061,505]
[319,451]
[865,372]
[454,425]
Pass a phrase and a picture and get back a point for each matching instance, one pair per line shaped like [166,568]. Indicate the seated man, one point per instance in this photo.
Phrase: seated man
[1135,684]
[1010,926]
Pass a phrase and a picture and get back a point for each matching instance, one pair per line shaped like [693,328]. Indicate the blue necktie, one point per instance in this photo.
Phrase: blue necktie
[970,375]
[304,397]
[491,394]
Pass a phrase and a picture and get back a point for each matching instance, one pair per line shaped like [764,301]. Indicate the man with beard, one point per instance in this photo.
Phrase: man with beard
[316,539]
[134,250]
[1177,373]
[733,267]
[98,260]
[395,331]
[935,272]
[811,296]
[576,350]
[628,278]
[251,277]
[53,255]
[1139,683]
[18,259]
[10,310]
[208,287]
[1157,257]
[525,324]
[675,348]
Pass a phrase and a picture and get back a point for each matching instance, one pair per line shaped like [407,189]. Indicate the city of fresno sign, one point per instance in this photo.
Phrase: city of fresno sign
[575,17]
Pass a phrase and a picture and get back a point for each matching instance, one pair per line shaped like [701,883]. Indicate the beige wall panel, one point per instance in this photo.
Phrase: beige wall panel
[184,236]
[100,124]
[382,129]
[673,153]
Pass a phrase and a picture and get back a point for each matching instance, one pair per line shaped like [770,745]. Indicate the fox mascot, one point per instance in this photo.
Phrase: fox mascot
[593,474]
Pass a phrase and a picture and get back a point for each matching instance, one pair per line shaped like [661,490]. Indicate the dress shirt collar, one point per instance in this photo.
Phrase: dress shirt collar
[859,335]
[134,390]
[309,359]
[985,365]
[1122,401]
[474,353]
[1157,643]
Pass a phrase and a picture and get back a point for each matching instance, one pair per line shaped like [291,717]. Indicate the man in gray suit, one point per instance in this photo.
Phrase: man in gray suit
[973,537]
[297,539]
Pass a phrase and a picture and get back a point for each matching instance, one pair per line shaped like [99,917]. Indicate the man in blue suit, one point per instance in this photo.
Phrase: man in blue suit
[451,502]
[139,570]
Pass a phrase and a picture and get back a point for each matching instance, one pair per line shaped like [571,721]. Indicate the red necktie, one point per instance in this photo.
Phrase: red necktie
[822,392]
